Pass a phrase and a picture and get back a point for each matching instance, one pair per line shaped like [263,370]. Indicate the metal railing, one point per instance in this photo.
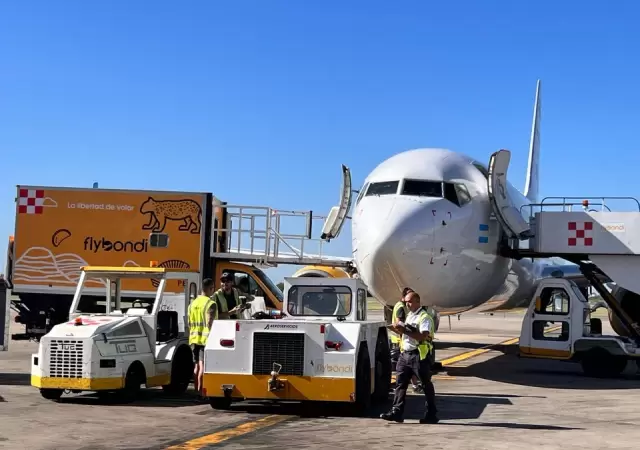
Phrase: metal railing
[261,234]
[567,204]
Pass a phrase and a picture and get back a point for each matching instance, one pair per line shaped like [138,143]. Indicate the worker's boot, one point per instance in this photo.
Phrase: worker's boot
[430,418]
[392,416]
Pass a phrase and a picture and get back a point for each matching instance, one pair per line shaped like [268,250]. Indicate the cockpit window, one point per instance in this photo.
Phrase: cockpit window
[463,194]
[456,193]
[422,188]
[450,193]
[382,188]
[361,193]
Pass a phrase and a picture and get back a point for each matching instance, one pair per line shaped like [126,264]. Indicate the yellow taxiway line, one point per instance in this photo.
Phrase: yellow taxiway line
[268,421]
[220,436]
[486,349]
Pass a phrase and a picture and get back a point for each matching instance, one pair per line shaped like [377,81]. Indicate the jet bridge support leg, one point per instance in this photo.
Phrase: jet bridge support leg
[590,271]
[5,313]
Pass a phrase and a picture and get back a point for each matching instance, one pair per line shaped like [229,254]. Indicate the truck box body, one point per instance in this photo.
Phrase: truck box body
[59,230]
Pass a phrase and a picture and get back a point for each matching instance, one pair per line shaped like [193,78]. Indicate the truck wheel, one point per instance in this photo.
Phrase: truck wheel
[220,402]
[181,373]
[382,370]
[599,363]
[363,383]
[51,394]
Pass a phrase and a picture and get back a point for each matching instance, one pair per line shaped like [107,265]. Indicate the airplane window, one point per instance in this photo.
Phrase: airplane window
[463,194]
[382,188]
[361,193]
[451,194]
[456,193]
[422,188]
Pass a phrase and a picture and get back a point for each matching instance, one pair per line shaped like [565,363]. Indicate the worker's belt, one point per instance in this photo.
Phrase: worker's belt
[412,352]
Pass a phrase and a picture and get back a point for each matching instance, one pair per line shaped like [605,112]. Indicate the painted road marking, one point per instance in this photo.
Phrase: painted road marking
[220,436]
[483,350]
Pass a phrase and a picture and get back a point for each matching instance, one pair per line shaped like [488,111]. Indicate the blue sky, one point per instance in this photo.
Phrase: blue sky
[260,102]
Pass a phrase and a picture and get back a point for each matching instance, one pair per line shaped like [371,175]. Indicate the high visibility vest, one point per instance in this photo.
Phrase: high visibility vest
[221,300]
[395,338]
[424,347]
[198,320]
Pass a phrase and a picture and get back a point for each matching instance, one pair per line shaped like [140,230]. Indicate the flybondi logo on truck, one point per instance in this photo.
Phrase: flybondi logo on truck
[278,326]
[102,244]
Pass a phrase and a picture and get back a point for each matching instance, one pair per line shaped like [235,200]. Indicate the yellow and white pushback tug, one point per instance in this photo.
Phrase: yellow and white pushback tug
[323,349]
[122,348]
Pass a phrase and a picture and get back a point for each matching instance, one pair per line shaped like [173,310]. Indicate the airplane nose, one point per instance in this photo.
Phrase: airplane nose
[385,234]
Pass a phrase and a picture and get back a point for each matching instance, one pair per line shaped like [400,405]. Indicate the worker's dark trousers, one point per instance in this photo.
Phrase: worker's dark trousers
[395,353]
[408,364]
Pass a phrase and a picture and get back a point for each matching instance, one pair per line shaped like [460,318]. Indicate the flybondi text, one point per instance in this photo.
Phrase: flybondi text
[102,244]
[333,368]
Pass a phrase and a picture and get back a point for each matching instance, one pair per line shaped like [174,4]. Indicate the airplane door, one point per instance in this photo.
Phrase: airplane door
[338,214]
[550,320]
[507,214]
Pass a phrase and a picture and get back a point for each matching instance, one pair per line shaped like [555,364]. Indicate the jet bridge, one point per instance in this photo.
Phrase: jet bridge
[267,237]
[604,243]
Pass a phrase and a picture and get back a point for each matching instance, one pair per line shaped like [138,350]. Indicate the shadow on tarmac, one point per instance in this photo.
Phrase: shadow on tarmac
[509,368]
[15,379]
[151,398]
[451,407]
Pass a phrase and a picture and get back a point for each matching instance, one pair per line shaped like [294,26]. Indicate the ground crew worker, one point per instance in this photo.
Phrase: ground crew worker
[227,298]
[416,341]
[399,314]
[202,312]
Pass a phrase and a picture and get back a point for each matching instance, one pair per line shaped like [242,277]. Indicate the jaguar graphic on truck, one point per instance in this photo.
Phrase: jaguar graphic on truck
[185,210]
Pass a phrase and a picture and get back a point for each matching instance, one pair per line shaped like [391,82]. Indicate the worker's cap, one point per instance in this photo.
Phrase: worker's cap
[226,276]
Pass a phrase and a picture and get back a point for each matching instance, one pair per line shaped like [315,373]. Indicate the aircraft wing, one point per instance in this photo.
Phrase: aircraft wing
[570,271]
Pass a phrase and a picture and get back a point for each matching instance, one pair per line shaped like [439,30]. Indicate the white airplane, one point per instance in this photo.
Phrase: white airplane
[424,219]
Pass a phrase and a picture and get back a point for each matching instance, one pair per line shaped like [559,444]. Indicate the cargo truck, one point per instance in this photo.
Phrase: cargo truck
[58,230]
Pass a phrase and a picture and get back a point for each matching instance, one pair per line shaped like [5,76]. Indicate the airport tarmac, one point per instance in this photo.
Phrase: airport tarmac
[487,399]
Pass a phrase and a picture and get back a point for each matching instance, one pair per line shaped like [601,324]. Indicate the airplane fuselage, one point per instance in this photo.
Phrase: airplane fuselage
[443,243]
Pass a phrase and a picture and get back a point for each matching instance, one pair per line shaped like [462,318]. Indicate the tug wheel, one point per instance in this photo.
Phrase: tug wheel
[51,394]
[382,370]
[223,403]
[599,363]
[181,372]
[363,382]
[134,378]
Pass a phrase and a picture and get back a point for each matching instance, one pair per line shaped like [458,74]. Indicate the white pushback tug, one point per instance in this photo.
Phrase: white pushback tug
[604,244]
[122,348]
[323,349]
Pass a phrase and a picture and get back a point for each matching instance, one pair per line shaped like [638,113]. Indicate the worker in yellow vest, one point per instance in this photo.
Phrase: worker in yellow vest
[201,314]
[399,314]
[227,298]
[417,336]
[400,311]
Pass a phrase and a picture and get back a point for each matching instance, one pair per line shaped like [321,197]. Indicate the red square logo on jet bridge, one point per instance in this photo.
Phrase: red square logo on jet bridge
[580,234]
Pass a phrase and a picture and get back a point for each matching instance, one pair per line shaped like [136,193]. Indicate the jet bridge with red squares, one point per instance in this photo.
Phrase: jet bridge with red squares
[605,244]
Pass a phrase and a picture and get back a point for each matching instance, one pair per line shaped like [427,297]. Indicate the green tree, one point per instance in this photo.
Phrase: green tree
[281,285]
